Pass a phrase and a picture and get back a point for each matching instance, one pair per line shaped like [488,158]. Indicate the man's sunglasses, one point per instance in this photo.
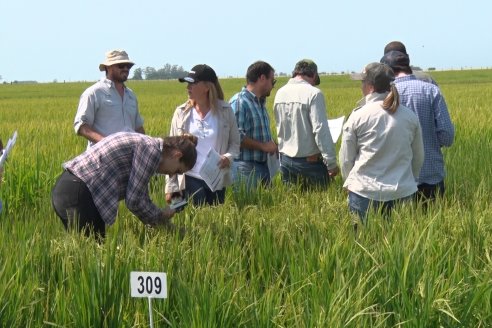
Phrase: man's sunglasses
[122,66]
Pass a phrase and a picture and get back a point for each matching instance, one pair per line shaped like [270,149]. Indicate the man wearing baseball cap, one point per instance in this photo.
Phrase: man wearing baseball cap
[307,153]
[426,100]
[399,46]
[109,106]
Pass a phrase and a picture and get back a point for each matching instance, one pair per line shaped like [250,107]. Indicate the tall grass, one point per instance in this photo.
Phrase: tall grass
[280,258]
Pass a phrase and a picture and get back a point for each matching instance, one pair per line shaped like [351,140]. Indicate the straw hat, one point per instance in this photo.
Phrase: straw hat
[114,57]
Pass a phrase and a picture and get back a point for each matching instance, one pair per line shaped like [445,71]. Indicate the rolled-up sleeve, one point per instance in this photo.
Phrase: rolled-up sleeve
[85,111]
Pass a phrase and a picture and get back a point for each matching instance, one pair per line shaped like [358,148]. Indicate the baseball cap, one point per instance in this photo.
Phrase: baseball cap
[199,73]
[307,67]
[395,46]
[396,59]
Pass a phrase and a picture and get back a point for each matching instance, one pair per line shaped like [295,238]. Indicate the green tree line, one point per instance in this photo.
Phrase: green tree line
[165,73]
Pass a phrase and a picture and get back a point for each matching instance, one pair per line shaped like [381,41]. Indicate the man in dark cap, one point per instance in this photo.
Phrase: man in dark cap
[307,152]
[426,100]
[399,46]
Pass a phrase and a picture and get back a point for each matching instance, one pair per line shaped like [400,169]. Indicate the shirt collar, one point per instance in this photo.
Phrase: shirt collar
[253,96]
[109,83]
[405,78]
[373,97]
[294,80]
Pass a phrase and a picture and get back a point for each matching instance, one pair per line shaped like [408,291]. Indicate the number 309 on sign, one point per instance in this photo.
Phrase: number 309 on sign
[148,284]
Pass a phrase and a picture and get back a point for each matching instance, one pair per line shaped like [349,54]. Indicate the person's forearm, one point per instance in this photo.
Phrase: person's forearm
[249,143]
[89,133]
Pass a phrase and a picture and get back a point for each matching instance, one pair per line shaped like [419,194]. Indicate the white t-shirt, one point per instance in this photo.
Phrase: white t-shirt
[206,131]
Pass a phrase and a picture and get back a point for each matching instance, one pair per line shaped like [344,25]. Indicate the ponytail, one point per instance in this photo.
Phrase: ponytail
[392,100]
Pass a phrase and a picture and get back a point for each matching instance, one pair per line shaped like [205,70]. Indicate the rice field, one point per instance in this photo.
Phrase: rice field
[279,258]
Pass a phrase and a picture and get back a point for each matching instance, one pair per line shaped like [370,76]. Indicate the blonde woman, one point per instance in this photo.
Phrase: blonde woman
[207,116]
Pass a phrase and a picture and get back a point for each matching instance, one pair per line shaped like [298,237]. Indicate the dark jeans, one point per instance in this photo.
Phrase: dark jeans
[360,205]
[73,203]
[203,192]
[250,174]
[308,174]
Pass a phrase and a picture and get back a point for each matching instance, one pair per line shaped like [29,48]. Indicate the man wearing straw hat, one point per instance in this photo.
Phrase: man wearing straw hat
[109,106]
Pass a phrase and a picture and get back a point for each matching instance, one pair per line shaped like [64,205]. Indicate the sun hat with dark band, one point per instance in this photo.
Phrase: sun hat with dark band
[115,57]
[200,73]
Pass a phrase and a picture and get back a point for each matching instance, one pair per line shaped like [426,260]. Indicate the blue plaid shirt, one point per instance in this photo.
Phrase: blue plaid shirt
[426,100]
[253,122]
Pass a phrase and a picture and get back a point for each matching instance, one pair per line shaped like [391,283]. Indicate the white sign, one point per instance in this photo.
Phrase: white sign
[148,284]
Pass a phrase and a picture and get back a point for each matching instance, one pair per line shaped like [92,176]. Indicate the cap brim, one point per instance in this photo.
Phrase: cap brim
[318,80]
[186,79]
[357,76]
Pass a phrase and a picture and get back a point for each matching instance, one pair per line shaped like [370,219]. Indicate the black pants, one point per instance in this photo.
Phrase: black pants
[73,203]
[430,191]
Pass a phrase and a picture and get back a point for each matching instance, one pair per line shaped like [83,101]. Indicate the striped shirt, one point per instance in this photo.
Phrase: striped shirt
[120,167]
[426,100]
[252,121]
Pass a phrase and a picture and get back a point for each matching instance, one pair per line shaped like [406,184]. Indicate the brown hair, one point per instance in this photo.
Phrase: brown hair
[186,144]
[392,100]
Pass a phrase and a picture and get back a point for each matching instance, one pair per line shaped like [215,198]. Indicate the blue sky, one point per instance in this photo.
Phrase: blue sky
[66,40]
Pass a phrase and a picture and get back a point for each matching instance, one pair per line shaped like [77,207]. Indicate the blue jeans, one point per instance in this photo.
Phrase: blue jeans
[204,194]
[300,170]
[360,205]
[250,174]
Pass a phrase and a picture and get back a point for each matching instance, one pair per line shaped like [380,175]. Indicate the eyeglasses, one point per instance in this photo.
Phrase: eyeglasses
[122,66]
[273,82]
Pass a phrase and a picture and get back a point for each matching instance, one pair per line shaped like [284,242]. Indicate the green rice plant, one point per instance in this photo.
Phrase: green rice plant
[278,258]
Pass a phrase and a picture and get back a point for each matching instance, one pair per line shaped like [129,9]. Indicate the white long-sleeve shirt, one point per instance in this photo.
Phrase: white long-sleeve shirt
[302,124]
[381,153]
